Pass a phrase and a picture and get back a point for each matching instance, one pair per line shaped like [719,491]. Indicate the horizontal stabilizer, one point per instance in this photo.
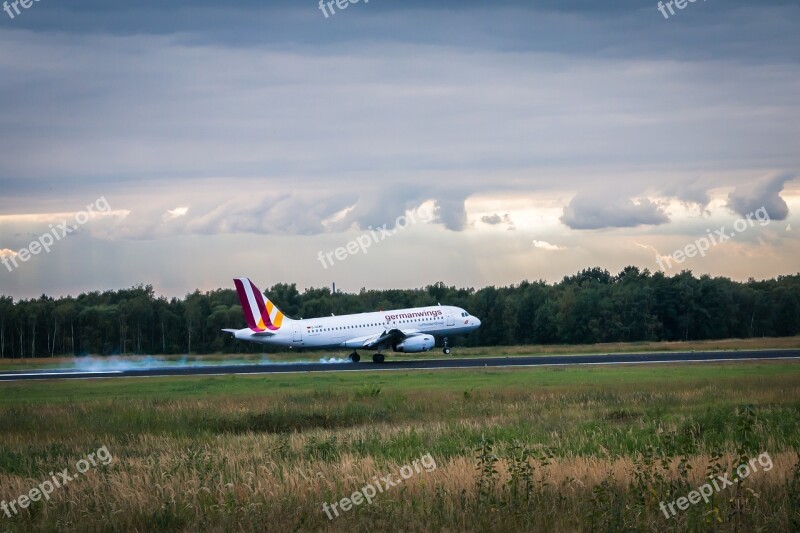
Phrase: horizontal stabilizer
[251,334]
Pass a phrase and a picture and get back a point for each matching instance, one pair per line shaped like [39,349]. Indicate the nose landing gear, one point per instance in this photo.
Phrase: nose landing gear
[446,348]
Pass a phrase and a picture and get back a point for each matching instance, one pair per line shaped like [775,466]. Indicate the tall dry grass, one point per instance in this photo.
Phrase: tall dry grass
[243,483]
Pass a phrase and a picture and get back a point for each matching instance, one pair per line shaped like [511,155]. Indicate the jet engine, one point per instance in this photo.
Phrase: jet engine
[416,344]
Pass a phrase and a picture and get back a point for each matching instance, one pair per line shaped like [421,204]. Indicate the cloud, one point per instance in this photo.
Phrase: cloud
[590,211]
[288,213]
[176,213]
[264,213]
[297,212]
[544,245]
[451,213]
[379,206]
[766,193]
[689,191]
[495,219]
[367,117]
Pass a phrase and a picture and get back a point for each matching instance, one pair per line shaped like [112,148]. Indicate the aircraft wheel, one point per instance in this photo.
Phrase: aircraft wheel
[354,357]
[378,358]
[446,351]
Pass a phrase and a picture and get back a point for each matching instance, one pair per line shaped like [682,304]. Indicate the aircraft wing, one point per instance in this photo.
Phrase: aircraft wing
[389,337]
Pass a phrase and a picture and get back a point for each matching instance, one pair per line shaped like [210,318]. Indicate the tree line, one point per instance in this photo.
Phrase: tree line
[589,307]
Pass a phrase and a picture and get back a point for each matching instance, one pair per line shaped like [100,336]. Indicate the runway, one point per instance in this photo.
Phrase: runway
[400,364]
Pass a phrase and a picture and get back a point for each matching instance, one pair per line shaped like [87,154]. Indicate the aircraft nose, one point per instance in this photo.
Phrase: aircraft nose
[477,321]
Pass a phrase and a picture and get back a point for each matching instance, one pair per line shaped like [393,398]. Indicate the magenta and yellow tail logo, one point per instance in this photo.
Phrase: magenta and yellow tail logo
[260,315]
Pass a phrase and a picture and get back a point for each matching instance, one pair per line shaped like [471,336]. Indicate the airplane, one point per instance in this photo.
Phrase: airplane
[403,330]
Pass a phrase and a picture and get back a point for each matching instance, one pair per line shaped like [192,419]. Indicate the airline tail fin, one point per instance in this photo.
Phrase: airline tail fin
[259,312]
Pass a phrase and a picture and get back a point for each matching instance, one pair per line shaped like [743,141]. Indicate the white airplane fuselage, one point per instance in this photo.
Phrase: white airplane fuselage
[352,331]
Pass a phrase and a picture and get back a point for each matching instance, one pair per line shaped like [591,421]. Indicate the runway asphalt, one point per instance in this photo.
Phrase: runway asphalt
[397,363]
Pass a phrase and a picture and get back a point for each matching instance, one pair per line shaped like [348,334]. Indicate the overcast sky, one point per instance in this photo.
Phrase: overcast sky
[520,140]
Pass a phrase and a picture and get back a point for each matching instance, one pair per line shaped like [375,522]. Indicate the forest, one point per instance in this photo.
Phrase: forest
[588,307]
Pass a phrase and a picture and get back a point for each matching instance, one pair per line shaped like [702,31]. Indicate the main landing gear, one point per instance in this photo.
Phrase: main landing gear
[446,348]
[376,358]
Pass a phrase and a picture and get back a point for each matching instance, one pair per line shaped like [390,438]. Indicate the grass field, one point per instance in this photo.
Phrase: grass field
[536,449]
